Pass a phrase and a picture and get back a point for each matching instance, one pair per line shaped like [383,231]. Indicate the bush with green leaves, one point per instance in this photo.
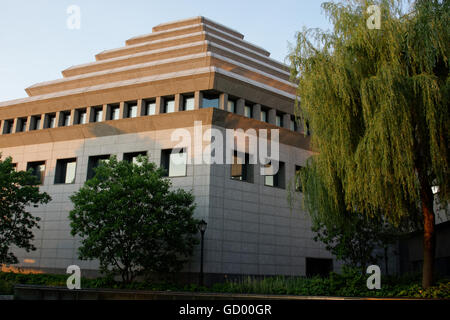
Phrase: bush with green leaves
[349,283]
[131,220]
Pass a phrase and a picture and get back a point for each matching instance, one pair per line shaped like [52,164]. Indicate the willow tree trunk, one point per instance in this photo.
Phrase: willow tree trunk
[429,236]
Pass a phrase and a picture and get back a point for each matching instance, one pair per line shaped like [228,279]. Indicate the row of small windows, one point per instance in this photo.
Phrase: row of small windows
[174,164]
[131,110]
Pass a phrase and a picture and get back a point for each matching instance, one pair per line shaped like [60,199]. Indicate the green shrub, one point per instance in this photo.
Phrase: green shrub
[6,287]
[349,283]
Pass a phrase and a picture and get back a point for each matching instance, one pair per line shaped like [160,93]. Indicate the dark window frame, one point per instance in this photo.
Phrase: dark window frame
[93,162]
[128,156]
[61,170]
[8,126]
[278,178]
[247,169]
[33,165]
[165,162]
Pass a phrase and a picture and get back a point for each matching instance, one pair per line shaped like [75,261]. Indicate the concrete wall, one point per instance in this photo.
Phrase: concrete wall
[251,228]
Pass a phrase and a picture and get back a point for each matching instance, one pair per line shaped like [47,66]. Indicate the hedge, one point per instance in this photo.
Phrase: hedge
[350,283]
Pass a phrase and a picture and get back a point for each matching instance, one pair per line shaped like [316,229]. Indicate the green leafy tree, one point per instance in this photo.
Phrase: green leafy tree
[18,190]
[132,222]
[353,238]
[376,101]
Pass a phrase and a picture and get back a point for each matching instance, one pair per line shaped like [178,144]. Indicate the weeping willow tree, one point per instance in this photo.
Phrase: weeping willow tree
[377,103]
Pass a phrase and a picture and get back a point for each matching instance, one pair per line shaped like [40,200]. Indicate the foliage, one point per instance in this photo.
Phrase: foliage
[355,239]
[377,105]
[350,237]
[18,190]
[351,283]
[130,220]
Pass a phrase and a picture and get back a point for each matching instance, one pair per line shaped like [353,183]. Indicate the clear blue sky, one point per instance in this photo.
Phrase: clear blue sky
[36,45]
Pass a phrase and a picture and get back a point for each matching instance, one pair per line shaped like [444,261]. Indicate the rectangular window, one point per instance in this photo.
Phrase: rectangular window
[35,122]
[21,125]
[210,100]
[277,179]
[114,112]
[169,106]
[248,111]
[174,162]
[81,117]
[278,120]
[263,116]
[132,110]
[65,119]
[8,126]
[293,125]
[241,170]
[38,170]
[94,162]
[65,171]
[231,106]
[298,181]
[189,103]
[150,108]
[132,156]
[97,114]
[51,121]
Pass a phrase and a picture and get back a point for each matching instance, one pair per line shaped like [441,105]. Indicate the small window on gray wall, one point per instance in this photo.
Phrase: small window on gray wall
[276,180]
[38,170]
[132,156]
[241,170]
[94,162]
[65,171]
[174,162]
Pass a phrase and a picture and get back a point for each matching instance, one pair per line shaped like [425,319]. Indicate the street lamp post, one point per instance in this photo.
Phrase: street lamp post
[202,227]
